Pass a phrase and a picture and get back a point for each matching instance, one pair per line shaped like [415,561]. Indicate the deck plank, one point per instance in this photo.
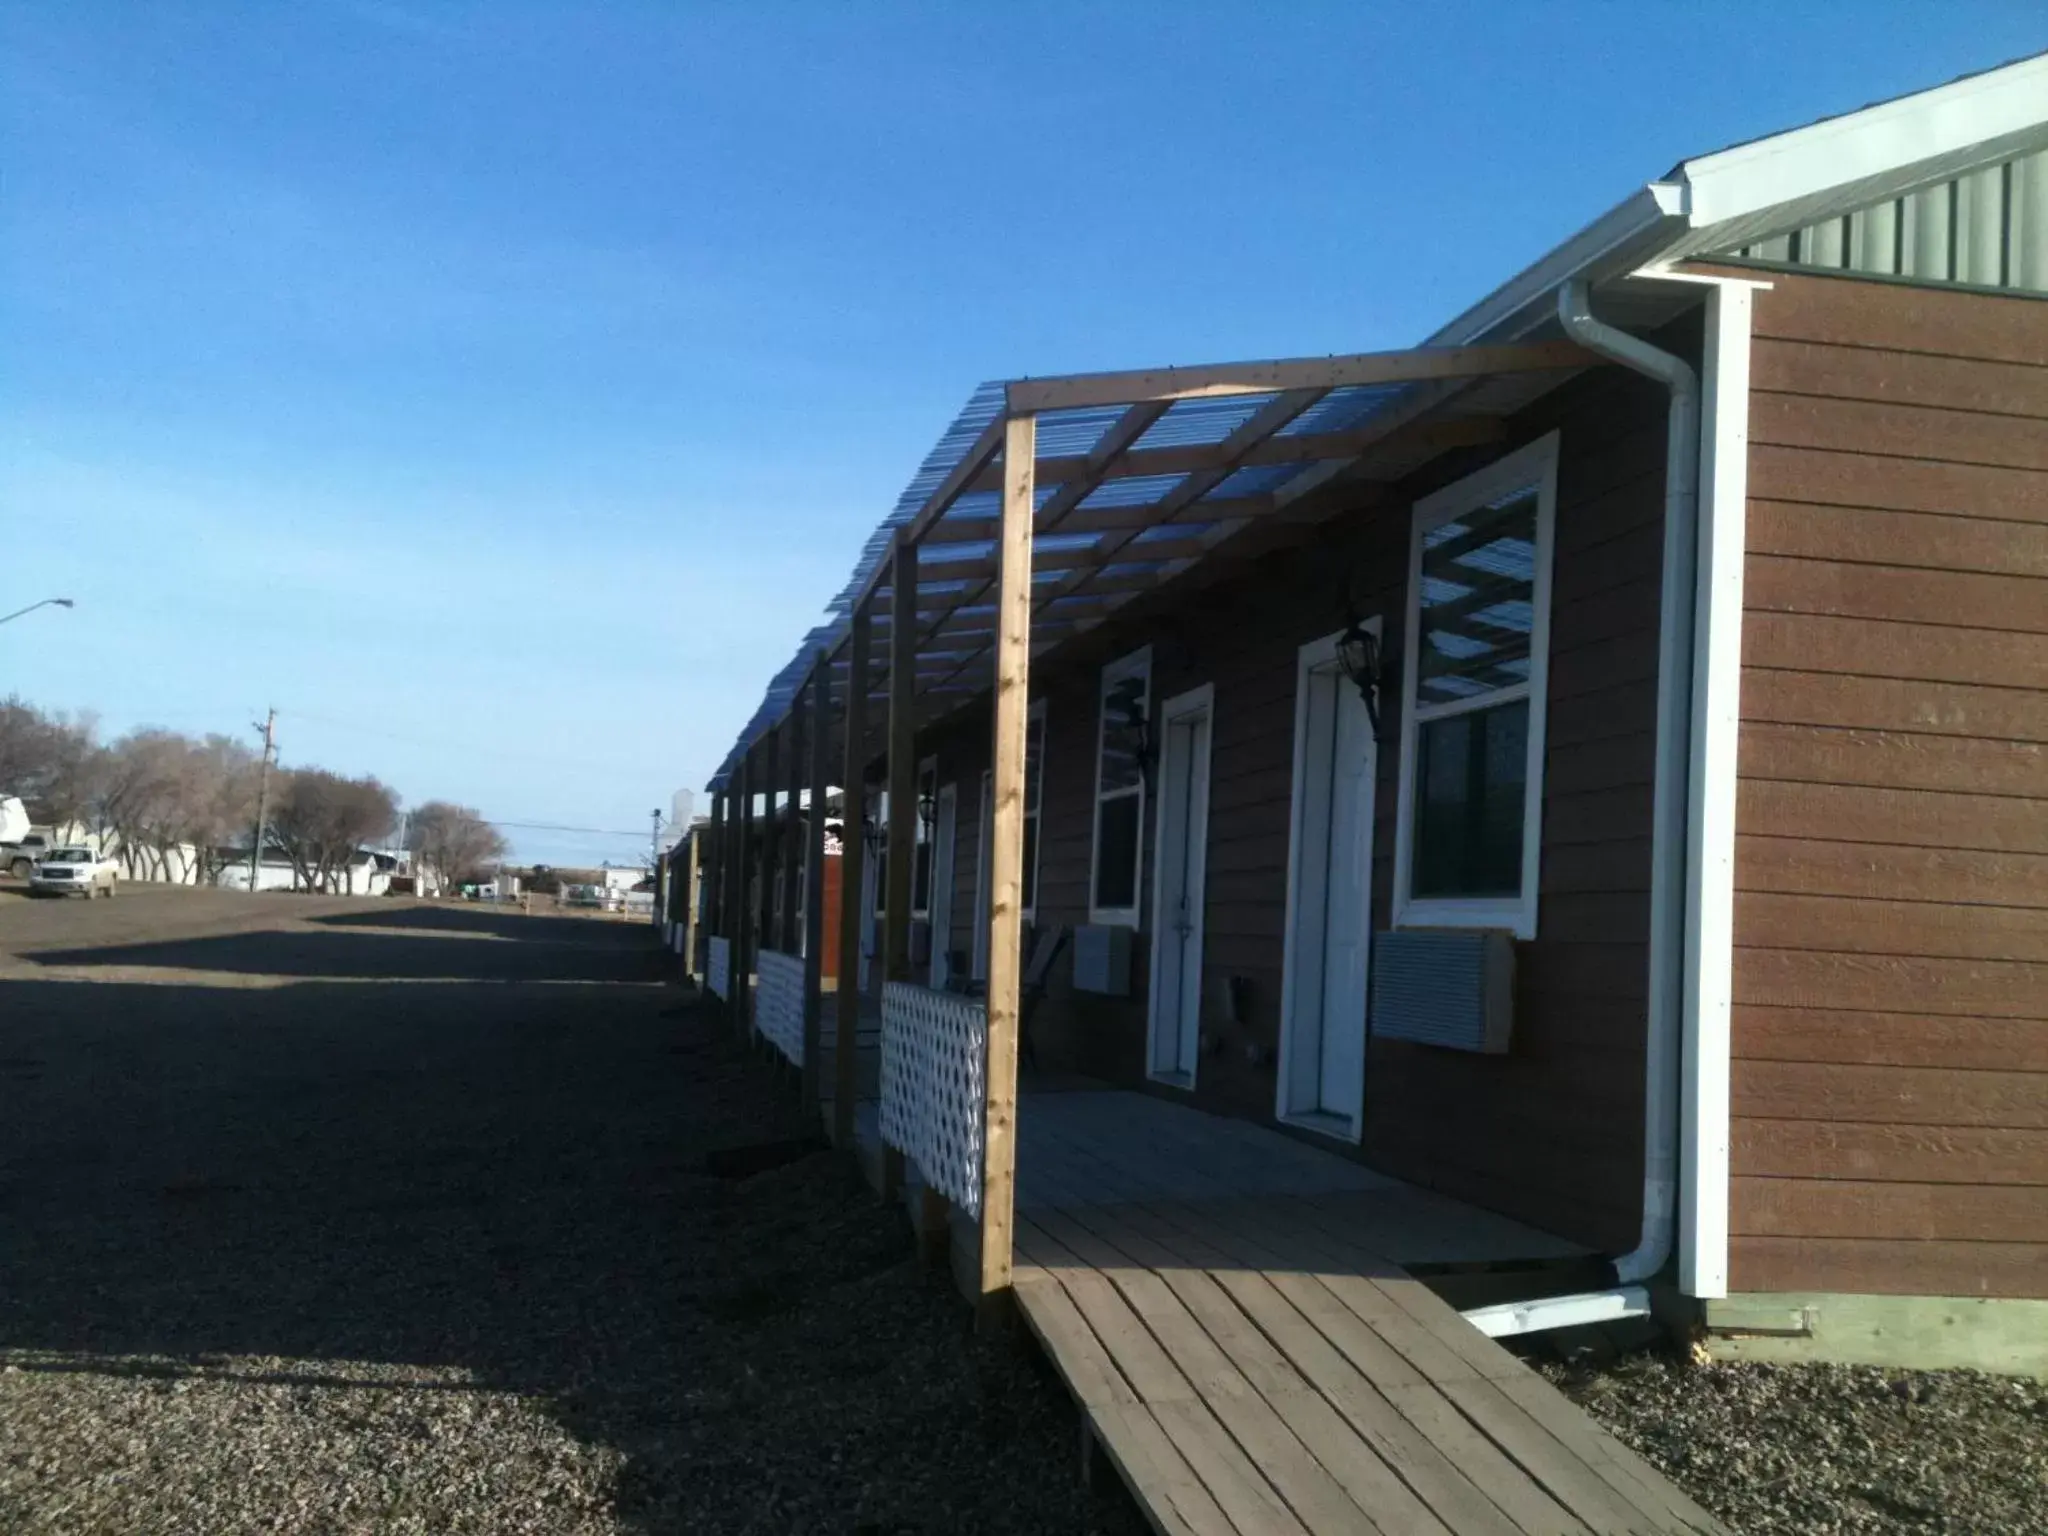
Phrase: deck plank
[1231,1311]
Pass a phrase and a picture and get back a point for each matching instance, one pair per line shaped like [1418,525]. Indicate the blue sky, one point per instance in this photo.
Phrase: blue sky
[500,391]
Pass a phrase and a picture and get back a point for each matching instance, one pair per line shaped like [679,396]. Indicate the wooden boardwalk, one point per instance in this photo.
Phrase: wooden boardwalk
[1221,1302]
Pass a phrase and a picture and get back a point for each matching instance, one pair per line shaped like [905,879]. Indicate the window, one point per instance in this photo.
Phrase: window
[921,866]
[1120,770]
[1466,852]
[1034,789]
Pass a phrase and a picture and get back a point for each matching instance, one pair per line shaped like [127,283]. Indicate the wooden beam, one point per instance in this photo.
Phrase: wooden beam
[820,712]
[901,866]
[795,753]
[743,864]
[1006,865]
[1414,365]
[1192,458]
[693,874]
[853,850]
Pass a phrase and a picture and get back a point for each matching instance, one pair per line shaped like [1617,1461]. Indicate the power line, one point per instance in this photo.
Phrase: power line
[542,826]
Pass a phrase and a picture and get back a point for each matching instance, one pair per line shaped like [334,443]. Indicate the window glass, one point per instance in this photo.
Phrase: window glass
[1478,601]
[1116,857]
[1470,773]
[1468,845]
[921,866]
[1120,786]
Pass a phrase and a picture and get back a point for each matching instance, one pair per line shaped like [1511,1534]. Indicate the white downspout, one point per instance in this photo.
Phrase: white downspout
[1670,811]
[1670,817]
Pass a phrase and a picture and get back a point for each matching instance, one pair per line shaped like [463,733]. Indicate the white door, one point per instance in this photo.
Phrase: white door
[940,913]
[1329,899]
[981,855]
[1179,878]
[870,887]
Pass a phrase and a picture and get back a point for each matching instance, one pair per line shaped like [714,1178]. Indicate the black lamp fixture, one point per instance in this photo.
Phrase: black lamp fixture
[1130,698]
[1360,658]
[927,811]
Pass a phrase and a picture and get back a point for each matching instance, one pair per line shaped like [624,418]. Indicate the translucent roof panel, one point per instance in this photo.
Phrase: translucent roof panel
[1132,491]
[1074,433]
[1253,480]
[1342,409]
[1202,422]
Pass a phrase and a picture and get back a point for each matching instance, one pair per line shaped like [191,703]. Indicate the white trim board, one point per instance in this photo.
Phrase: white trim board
[1534,463]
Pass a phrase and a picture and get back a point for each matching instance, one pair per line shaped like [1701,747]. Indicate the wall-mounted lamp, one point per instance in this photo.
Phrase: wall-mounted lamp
[1129,697]
[927,812]
[1361,660]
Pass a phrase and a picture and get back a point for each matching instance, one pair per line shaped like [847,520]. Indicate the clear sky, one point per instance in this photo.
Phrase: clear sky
[501,390]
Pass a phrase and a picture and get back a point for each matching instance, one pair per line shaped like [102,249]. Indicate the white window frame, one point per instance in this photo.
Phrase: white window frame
[1137,664]
[1034,716]
[1537,464]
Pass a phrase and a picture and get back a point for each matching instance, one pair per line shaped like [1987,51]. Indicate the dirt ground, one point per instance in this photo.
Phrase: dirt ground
[343,1215]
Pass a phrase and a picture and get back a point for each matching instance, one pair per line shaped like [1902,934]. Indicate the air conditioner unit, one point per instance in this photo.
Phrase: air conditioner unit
[1451,987]
[1102,959]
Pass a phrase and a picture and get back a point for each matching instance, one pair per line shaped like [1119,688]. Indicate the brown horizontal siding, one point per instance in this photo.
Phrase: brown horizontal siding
[1906,1154]
[1890,1040]
[1887,1208]
[1940,1096]
[1830,477]
[1893,1266]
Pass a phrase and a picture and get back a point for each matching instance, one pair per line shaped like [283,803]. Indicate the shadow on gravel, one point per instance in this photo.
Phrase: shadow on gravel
[516,1186]
[544,952]
[451,918]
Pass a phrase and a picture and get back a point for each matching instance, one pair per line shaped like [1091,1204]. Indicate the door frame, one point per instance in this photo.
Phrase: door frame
[1196,701]
[1316,656]
[977,964]
[939,899]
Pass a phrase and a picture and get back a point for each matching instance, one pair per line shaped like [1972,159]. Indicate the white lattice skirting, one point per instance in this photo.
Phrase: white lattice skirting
[934,1049]
[718,969]
[779,1002]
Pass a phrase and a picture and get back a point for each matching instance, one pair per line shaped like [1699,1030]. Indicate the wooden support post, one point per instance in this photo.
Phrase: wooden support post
[764,927]
[795,736]
[1006,862]
[853,852]
[741,944]
[693,885]
[902,863]
[820,716]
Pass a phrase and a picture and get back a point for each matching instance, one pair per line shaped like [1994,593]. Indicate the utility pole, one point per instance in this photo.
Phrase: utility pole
[269,729]
[654,842]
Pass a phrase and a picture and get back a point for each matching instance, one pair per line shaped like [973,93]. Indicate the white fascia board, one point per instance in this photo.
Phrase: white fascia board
[1876,141]
[1618,241]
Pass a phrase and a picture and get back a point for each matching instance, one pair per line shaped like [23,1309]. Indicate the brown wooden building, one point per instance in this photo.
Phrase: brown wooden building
[1594,766]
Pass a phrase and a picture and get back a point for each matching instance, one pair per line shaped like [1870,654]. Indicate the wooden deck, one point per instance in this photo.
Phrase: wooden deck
[1230,1308]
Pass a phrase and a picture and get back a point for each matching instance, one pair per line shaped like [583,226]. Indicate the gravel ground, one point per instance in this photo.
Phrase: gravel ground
[402,1221]
[1825,1450]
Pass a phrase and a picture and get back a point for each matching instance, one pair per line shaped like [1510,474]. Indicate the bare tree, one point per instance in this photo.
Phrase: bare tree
[48,760]
[454,841]
[321,820]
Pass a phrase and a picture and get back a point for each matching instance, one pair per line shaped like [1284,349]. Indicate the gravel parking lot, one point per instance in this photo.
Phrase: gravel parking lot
[346,1216]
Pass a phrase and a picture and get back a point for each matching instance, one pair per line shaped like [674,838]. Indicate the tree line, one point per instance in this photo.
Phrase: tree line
[182,808]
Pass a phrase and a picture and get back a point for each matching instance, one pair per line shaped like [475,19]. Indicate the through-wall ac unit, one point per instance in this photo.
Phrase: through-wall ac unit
[1453,987]
[1102,959]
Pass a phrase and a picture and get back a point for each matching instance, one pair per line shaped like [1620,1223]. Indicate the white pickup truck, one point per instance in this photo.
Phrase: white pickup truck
[73,871]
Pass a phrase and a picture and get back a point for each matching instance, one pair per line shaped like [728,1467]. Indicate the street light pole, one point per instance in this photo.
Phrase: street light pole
[48,602]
